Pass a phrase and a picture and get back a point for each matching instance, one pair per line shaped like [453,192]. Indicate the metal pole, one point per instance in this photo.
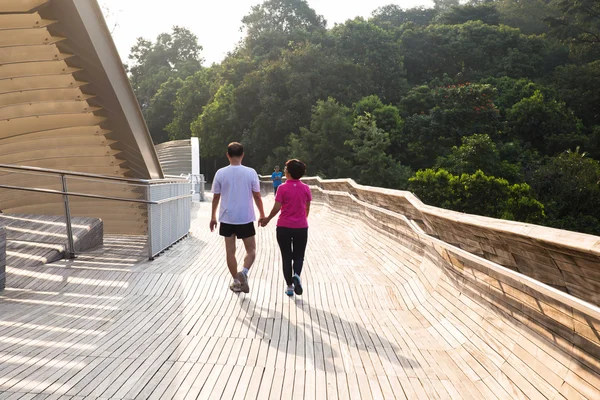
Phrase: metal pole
[70,250]
[150,222]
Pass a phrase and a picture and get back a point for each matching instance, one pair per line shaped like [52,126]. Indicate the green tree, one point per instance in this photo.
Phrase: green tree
[594,142]
[272,25]
[579,21]
[387,118]
[175,54]
[393,16]
[509,91]
[160,111]
[486,13]
[458,110]
[195,93]
[324,146]
[277,99]
[371,163]
[236,66]
[368,45]
[477,194]
[547,125]
[281,16]
[444,5]
[579,87]
[526,15]
[473,51]
[479,152]
[434,187]
[418,100]
[218,124]
[569,186]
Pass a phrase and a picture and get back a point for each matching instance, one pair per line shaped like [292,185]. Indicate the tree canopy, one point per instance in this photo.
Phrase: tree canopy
[490,107]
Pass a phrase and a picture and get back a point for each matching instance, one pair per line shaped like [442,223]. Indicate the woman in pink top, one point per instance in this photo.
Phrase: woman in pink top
[293,199]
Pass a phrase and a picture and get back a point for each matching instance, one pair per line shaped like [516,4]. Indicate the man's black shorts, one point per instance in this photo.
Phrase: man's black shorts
[241,231]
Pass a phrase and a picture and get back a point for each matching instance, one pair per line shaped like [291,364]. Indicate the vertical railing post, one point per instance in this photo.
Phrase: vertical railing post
[150,222]
[70,250]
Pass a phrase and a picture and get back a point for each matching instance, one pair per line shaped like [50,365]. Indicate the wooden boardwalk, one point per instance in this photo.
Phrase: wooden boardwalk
[109,326]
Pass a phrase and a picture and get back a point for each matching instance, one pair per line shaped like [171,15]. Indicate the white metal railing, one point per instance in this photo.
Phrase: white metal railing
[197,181]
[169,214]
[167,201]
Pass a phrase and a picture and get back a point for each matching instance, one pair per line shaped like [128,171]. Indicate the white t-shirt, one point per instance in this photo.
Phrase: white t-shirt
[235,184]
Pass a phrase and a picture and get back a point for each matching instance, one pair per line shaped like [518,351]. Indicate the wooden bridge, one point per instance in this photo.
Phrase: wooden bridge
[401,301]
[387,313]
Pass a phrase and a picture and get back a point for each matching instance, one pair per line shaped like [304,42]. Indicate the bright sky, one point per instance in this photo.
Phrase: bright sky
[216,23]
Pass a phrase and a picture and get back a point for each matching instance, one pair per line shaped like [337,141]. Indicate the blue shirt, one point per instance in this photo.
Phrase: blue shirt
[276,177]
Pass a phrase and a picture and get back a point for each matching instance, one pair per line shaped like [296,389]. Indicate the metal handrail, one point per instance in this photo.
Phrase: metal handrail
[91,196]
[85,174]
[70,249]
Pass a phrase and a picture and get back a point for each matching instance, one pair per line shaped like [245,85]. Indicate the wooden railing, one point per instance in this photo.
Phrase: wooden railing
[544,338]
[568,261]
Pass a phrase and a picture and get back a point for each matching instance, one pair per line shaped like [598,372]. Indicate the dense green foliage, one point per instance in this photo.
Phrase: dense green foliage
[471,193]
[490,107]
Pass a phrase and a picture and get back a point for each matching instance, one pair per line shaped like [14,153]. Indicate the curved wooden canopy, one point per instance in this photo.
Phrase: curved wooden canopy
[66,104]
[65,100]
[175,157]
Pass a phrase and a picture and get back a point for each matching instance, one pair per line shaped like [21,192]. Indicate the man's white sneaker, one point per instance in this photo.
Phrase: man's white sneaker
[244,287]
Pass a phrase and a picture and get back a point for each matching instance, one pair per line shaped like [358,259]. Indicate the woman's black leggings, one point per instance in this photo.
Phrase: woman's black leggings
[292,243]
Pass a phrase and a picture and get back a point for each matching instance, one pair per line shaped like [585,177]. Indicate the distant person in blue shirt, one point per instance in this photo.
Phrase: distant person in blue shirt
[276,178]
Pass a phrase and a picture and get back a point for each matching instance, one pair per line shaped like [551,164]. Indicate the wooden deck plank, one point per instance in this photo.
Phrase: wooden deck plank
[109,326]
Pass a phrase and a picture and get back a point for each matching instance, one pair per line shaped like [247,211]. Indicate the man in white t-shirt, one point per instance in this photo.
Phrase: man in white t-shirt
[235,186]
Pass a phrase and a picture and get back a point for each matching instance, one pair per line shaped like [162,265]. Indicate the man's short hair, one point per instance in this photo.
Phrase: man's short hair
[296,168]
[235,149]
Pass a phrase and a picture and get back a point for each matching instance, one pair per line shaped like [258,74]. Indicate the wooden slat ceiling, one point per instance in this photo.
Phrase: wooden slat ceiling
[59,106]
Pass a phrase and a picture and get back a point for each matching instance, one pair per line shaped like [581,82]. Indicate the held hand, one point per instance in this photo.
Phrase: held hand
[213,224]
[263,221]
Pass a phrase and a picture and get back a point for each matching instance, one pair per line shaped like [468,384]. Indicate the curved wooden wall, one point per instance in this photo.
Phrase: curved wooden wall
[520,338]
[568,261]
[175,157]
[66,104]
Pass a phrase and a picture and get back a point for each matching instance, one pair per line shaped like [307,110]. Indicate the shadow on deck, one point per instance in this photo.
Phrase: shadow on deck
[383,316]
